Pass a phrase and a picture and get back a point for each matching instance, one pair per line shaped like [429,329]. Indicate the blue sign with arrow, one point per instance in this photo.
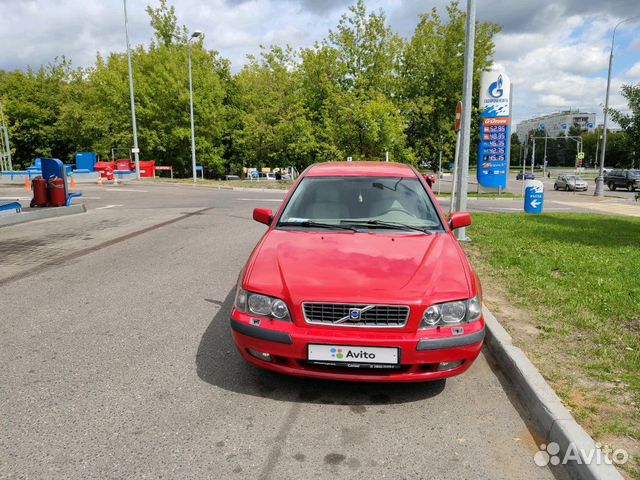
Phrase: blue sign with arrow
[533,196]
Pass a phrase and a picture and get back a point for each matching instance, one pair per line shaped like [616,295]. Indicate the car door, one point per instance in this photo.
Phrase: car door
[561,182]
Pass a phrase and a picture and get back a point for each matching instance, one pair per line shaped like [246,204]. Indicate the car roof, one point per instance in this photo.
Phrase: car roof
[360,169]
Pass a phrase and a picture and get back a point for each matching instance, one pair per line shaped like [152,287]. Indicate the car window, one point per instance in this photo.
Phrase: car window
[339,200]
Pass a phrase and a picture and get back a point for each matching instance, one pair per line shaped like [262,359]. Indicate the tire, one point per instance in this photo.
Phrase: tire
[631,187]
[612,186]
[555,186]
[566,187]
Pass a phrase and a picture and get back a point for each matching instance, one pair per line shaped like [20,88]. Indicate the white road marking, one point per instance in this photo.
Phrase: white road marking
[262,199]
[15,198]
[108,206]
[118,189]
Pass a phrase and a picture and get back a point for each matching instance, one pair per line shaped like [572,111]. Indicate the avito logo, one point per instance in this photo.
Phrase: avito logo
[339,354]
[495,89]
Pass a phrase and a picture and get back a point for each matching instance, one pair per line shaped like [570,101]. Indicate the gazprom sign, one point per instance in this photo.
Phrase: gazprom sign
[493,154]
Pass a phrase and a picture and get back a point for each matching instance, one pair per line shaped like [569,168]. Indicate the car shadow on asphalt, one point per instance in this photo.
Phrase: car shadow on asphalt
[219,363]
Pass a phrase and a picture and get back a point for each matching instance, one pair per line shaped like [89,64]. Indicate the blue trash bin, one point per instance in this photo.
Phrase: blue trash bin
[533,196]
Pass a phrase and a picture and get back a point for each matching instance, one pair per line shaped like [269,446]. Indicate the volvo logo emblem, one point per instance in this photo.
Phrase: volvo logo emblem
[354,315]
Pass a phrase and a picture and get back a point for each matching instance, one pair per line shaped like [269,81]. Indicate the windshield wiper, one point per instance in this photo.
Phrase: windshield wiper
[311,223]
[381,223]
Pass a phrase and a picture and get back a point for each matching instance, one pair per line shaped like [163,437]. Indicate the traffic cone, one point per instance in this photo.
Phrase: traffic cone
[100,181]
[73,183]
[27,183]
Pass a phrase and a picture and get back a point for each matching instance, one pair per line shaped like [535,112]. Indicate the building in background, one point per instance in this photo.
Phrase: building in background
[557,124]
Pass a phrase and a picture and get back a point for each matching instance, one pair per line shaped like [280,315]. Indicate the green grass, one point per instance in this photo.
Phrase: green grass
[578,276]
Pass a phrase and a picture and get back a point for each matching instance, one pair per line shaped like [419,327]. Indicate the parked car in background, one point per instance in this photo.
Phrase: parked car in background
[527,176]
[231,177]
[359,277]
[629,179]
[570,182]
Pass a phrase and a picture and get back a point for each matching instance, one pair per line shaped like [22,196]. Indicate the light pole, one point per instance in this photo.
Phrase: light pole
[195,34]
[544,158]
[599,191]
[135,149]
[465,137]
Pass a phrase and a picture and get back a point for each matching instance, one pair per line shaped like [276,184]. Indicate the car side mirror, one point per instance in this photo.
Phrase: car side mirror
[263,215]
[459,219]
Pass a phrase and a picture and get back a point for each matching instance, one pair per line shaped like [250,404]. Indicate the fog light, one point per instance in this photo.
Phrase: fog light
[442,366]
[260,355]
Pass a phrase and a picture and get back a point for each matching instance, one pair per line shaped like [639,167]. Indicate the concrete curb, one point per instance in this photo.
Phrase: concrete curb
[548,414]
[40,214]
[219,187]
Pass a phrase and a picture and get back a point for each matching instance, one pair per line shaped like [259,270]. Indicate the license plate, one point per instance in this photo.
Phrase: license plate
[353,354]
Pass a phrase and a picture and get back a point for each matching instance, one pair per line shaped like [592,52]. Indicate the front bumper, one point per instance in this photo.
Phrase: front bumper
[422,352]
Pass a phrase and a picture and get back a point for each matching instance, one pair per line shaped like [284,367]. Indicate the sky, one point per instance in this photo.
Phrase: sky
[556,53]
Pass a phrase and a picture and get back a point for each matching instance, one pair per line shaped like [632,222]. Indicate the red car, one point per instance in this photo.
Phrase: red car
[359,277]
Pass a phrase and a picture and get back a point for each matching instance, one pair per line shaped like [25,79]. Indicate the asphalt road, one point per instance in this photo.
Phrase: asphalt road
[116,361]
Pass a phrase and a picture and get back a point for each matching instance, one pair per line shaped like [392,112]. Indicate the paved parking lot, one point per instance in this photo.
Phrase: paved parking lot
[116,362]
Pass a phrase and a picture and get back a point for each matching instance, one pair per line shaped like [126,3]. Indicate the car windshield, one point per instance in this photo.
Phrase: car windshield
[363,202]
[634,173]
[573,178]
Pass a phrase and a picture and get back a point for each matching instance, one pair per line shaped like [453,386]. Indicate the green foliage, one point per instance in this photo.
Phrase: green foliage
[361,92]
[431,72]
[630,124]
[272,127]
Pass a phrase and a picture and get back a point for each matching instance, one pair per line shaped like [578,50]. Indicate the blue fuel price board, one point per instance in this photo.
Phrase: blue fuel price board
[493,148]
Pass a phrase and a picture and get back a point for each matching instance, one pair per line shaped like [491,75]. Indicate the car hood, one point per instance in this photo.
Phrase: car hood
[359,267]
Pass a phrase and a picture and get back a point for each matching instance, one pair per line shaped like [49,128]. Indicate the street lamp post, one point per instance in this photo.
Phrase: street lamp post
[599,191]
[136,150]
[195,34]
[465,137]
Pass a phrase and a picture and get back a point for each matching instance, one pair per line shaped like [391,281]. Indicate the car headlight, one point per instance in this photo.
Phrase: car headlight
[262,305]
[452,313]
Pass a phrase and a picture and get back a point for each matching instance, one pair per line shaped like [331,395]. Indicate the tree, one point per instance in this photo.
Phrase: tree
[34,103]
[350,82]
[272,127]
[431,74]
[361,92]
[630,124]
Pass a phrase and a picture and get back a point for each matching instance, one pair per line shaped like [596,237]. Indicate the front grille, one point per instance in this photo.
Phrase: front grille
[371,315]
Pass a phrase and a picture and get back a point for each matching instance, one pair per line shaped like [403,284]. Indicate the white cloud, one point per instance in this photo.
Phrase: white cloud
[554,101]
[634,72]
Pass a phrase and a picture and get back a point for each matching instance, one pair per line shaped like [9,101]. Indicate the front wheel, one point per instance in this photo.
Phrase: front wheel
[555,186]
[631,187]
[566,187]
[611,186]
